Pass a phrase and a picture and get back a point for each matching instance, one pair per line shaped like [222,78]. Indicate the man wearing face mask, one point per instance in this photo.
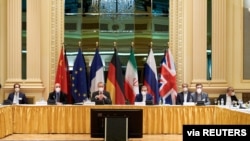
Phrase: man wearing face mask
[57,96]
[184,95]
[101,96]
[144,95]
[17,97]
[229,97]
[199,95]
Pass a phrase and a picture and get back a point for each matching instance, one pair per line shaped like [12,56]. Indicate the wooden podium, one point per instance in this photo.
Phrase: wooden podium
[116,129]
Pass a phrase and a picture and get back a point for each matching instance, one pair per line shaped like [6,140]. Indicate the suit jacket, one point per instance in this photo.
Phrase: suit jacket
[104,101]
[22,98]
[139,98]
[52,98]
[180,98]
[204,97]
[224,97]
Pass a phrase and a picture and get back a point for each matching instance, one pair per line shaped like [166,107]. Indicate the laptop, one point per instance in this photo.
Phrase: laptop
[200,103]
[99,102]
[7,102]
[149,102]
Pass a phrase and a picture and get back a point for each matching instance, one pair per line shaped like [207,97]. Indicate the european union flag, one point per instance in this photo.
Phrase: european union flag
[79,78]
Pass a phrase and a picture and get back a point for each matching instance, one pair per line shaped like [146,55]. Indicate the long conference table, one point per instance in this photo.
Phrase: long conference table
[157,119]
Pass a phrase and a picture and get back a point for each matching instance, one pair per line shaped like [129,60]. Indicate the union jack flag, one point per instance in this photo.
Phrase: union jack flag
[167,80]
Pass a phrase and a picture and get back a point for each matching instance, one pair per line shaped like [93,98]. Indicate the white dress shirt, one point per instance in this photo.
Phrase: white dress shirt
[143,98]
[185,96]
[16,98]
[228,100]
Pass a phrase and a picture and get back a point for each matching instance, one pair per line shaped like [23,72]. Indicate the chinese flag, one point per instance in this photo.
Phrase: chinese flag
[62,72]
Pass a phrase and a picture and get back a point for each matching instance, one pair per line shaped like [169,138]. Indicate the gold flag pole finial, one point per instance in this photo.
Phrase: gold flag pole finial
[151,44]
[62,45]
[167,45]
[79,43]
[114,44]
[97,44]
[132,44]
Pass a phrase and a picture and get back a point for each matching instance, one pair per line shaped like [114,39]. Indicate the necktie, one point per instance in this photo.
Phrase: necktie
[57,97]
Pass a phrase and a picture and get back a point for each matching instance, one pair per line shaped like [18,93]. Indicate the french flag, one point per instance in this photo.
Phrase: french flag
[96,72]
[167,84]
[150,76]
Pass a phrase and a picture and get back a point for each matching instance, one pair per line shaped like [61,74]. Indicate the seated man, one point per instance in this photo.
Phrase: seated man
[199,95]
[184,95]
[101,96]
[57,96]
[144,95]
[229,97]
[17,97]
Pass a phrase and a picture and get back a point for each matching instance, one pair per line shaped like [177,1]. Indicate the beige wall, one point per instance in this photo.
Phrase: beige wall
[45,34]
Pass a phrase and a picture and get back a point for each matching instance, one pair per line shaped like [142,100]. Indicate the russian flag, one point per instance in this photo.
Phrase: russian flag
[150,76]
[96,72]
[168,87]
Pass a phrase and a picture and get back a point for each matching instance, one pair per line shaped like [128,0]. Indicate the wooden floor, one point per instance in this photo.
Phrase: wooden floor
[85,137]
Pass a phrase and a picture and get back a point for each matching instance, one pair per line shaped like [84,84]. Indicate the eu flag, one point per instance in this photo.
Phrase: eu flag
[79,78]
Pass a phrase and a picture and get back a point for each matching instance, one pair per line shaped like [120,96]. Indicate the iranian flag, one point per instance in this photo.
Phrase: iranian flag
[131,78]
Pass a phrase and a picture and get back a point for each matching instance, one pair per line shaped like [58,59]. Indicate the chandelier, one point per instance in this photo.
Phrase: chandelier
[114,9]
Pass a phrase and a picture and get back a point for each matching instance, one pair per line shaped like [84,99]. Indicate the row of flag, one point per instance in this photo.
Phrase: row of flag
[161,83]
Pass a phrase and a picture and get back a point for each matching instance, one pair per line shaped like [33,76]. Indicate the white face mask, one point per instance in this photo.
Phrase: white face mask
[185,89]
[198,90]
[100,89]
[17,89]
[58,90]
[143,93]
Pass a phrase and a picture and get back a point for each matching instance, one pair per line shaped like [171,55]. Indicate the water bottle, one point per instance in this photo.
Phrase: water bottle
[222,101]
[240,103]
[161,101]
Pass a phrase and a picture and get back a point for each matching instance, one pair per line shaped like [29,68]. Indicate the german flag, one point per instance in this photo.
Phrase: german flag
[115,80]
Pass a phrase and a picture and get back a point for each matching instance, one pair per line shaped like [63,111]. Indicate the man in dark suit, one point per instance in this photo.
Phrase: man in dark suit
[199,95]
[57,96]
[17,97]
[184,95]
[101,96]
[228,97]
[144,95]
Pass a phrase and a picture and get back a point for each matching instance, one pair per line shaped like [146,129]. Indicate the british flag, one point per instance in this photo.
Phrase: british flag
[167,80]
